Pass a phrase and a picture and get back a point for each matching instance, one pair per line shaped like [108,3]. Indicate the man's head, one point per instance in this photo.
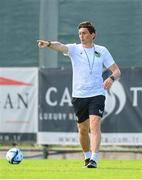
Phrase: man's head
[88,25]
[87,33]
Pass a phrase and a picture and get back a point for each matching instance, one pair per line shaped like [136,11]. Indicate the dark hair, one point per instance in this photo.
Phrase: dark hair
[88,25]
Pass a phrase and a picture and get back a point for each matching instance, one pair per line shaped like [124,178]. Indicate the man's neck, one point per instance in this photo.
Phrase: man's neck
[89,45]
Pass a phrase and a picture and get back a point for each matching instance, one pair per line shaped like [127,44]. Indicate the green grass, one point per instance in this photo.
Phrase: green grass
[70,169]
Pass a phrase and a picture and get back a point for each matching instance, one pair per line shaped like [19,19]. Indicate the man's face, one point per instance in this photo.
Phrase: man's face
[85,36]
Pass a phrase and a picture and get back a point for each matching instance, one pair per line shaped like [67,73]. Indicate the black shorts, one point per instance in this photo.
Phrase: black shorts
[84,107]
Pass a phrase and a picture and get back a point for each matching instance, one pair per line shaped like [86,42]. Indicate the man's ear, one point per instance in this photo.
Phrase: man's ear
[93,35]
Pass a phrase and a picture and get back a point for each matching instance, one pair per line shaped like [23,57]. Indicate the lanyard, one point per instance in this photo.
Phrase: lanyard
[89,62]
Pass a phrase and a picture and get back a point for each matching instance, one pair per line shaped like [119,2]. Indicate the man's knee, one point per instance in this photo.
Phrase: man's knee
[83,127]
[95,122]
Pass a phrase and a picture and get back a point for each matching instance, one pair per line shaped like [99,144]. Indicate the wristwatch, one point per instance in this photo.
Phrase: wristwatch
[49,43]
[112,77]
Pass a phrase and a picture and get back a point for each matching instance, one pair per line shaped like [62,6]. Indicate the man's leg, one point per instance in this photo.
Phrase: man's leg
[95,138]
[83,129]
[95,132]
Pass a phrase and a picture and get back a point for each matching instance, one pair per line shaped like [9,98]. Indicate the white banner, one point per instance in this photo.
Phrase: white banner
[18,100]
[63,138]
[133,139]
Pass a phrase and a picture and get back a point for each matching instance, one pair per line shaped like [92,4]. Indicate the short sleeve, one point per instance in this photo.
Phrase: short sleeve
[108,59]
[71,48]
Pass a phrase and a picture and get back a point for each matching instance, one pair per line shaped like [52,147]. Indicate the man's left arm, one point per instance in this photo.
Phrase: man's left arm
[114,76]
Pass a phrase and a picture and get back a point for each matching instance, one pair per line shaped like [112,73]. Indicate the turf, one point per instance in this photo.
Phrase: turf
[70,169]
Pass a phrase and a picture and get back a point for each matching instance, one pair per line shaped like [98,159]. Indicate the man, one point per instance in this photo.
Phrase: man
[88,93]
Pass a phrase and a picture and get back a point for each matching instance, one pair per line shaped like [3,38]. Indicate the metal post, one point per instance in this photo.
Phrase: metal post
[48,30]
[45,151]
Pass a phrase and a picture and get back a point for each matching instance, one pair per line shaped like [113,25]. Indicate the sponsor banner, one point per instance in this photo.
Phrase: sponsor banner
[18,100]
[68,138]
[17,137]
[65,138]
[133,139]
[122,117]
[124,103]
[55,113]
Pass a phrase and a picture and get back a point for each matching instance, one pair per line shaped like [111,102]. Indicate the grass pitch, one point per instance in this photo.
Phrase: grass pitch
[70,169]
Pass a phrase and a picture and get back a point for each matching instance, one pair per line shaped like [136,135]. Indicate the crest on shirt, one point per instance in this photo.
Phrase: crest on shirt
[97,54]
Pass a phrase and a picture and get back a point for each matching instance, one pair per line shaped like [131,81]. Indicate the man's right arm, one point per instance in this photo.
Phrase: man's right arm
[53,45]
